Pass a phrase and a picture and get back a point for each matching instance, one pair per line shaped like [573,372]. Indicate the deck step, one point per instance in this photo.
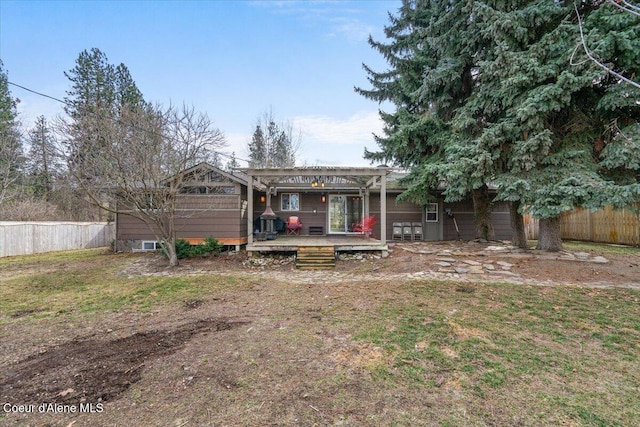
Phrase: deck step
[316,258]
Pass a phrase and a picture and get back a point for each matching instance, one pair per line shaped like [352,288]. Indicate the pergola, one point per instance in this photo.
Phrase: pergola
[320,178]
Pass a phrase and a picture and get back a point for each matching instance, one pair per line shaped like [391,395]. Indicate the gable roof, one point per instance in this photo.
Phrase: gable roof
[205,167]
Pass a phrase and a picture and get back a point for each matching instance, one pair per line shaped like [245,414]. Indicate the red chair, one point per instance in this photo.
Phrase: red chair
[294,225]
[365,226]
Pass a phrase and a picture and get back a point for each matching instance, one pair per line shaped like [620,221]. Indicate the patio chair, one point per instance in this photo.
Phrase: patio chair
[294,225]
[365,226]
[407,232]
[417,230]
[397,231]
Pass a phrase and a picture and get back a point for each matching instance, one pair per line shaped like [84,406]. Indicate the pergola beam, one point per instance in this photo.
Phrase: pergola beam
[334,179]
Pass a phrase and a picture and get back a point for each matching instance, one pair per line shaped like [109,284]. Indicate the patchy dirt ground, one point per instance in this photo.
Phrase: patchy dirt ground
[190,362]
[94,370]
[468,261]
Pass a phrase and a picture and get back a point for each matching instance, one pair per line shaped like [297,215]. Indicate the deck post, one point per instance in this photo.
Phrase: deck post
[366,199]
[383,207]
[249,209]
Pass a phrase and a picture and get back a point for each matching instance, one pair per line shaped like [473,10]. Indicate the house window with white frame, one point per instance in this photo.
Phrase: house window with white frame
[289,202]
[431,212]
[150,245]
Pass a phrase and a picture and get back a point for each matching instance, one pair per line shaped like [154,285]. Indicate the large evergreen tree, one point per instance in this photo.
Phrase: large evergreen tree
[11,154]
[99,93]
[539,120]
[507,106]
[611,32]
[432,54]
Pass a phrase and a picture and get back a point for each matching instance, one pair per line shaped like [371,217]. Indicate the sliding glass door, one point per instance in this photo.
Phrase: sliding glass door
[344,211]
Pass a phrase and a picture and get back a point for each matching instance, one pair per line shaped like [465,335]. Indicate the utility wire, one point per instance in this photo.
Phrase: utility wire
[116,120]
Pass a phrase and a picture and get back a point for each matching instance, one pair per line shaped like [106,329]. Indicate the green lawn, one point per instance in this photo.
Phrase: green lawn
[562,352]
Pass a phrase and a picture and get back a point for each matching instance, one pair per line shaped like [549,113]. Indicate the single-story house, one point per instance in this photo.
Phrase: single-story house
[237,208]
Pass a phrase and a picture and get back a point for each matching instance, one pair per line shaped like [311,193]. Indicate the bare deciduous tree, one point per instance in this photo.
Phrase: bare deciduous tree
[140,159]
[10,159]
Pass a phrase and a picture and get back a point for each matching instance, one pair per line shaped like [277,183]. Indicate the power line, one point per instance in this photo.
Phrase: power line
[116,120]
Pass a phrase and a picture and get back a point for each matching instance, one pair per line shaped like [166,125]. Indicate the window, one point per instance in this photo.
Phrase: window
[432,212]
[290,202]
[149,245]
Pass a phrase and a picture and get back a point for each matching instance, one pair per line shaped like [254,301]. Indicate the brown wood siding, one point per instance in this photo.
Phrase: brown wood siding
[393,205]
[463,212]
[219,224]
[199,216]
[396,212]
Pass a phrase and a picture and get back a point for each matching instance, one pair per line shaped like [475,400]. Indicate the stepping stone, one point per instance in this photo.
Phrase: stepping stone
[505,265]
[446,259]
[471,262]
[599,260]
[503,273]
[582,255]
[443,264]
[461,270]
[489,266]
[476,269]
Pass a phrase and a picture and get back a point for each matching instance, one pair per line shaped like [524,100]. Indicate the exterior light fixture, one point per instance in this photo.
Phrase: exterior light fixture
[323,198]
[263,199]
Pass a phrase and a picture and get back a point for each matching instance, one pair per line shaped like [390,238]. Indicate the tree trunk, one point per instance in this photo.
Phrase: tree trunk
[549,234]
[482,213]
[171,252]
[519,237]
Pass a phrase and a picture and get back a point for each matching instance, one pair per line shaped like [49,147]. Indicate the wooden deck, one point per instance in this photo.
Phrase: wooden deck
[339,243]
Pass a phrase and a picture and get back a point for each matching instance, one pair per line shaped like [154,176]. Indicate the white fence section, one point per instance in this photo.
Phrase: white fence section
[23,238]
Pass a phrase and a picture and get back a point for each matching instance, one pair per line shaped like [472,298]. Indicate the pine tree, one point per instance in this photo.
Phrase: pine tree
[612,35]
[44,159]
[93,86]
[432,54]
[99,94]
[510,102]
[273,145]
[537,118]
[257,151]
[232,163]
[11,154]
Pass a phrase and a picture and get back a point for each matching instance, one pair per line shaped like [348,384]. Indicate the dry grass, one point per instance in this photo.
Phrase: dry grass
[365,353]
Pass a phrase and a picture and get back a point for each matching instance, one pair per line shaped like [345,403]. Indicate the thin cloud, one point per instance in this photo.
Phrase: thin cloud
[339,19]
[357,129]
[352,29]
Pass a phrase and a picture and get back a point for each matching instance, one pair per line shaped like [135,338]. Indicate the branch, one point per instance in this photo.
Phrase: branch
[626,6]
[592,58]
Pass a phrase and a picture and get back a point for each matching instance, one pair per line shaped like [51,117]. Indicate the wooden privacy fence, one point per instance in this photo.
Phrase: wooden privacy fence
[606,226]
[23,238]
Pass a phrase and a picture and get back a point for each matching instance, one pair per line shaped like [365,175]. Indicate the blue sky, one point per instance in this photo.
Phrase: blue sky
[231,59]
